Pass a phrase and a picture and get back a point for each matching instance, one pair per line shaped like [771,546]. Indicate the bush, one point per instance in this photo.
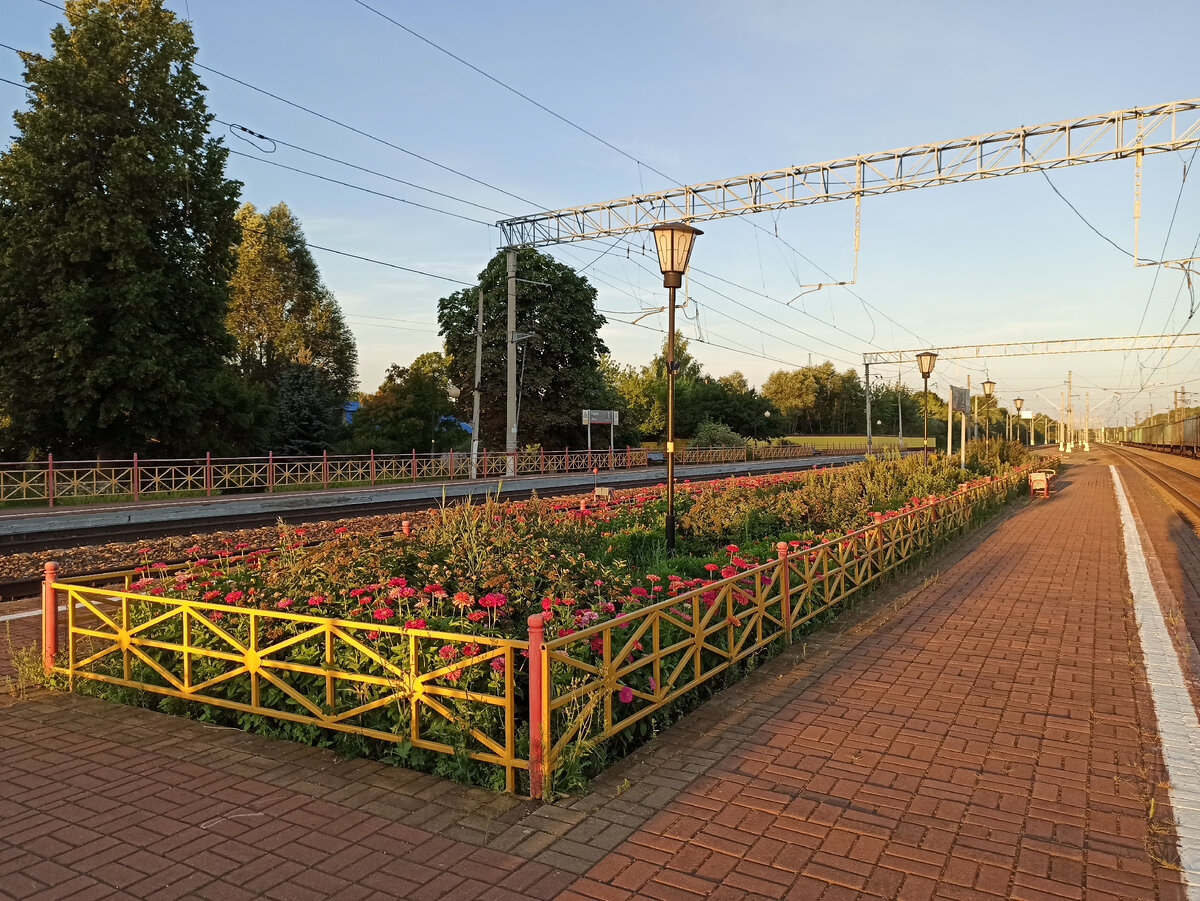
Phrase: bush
[716,434]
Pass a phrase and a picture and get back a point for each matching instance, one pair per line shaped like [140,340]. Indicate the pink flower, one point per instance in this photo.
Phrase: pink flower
[470,649]
[284,603]
[626,694]
[233,597]
[372,635]
[414,624]
[209,595]
[397,582]
[316,599]
[382,613]
[447,652]
[476,615]
[711,567]
[498,664]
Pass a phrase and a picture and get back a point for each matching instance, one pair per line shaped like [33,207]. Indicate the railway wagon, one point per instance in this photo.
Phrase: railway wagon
[1181,437]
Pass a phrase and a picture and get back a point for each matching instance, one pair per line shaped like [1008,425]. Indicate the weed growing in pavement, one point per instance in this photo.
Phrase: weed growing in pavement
[27,667]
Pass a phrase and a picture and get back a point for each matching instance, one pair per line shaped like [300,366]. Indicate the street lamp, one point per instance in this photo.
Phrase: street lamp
[1018,402]
[925,361]
[674,242]
[988,387]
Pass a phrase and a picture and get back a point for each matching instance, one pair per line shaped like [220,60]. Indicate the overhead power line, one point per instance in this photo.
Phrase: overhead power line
[365,190]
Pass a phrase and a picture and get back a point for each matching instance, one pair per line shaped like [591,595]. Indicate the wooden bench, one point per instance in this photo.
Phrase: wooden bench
[602,494]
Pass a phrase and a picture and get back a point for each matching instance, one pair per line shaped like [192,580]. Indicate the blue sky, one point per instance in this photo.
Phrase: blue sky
[706,90]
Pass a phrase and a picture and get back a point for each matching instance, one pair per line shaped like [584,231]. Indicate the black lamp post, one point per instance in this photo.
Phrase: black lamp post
[674,242]
[988,387]
[925,361]
[1018,402]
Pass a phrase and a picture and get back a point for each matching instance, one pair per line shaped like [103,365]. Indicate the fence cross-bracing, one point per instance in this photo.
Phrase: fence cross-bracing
[446,693]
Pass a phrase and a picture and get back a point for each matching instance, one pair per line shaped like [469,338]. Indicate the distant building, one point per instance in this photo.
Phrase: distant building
[349,408]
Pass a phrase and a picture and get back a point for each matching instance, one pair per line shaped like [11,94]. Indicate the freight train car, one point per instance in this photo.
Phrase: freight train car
[1182,437]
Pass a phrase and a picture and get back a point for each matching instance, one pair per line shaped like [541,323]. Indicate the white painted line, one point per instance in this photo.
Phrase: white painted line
[1173,708]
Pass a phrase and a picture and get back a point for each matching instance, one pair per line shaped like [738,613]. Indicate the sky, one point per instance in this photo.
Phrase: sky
[626,97]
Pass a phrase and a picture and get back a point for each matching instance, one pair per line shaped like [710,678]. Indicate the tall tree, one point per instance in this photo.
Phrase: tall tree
[281,313]
[558,366]
[412,410]
[116,226]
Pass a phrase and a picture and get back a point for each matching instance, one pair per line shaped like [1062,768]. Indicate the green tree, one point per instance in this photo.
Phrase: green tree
[116,225]
[280,312]
[558,367]
[412,410]
[307,412]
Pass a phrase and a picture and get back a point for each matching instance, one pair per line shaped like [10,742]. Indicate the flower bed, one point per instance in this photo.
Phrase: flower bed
[416,649]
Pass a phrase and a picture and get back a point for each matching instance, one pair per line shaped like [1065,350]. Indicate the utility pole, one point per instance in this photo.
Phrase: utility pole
[1087,420]
[510,419]
[962,445]
[478,388]
[867,382]
[1070,416]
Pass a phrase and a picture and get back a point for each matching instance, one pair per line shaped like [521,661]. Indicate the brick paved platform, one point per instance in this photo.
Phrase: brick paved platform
[980,731]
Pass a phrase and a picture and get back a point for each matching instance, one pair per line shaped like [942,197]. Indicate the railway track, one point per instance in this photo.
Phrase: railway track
[1178,483]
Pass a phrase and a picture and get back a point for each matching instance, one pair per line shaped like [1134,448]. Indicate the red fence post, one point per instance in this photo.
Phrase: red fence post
[208,479]
[485,463]
[137,487]
[628,457]
[414,463]
[325,469]
[451,476]
[270,471]
[405,527]
[542,459]
[50,478]
[49,617]
[785,591]
[372,466]
[536,762]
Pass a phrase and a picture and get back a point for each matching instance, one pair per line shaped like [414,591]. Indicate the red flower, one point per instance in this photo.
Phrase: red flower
[415,624]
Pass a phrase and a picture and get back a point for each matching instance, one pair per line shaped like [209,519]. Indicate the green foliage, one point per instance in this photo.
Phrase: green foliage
[716,434]
[307,412]
[411,411]
[560,364]
[699,398]
[817,399]
[116,224]
[280,312]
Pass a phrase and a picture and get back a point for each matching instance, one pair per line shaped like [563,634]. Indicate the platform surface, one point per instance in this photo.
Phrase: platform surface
[983,729]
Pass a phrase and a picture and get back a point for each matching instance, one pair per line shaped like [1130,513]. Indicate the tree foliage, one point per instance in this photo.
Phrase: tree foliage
[116,226]
[280,312]
[411,411]
[699,398]
[817,400]
[558,368]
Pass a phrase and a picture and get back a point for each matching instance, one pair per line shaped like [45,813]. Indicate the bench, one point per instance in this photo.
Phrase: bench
[1041,480]
[656,458]
[602,493]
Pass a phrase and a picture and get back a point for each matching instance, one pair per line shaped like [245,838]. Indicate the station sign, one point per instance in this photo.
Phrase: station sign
[960,399]
[601,417]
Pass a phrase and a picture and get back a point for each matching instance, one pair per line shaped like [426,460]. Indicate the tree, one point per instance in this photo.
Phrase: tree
[116,224]
[307,413]
[411,411]
[280,312]
[558,367]
[818,399]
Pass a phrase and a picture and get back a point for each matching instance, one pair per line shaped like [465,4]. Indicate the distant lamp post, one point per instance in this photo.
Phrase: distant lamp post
[925,361]
[1019,402]
[988,387]
[674,242]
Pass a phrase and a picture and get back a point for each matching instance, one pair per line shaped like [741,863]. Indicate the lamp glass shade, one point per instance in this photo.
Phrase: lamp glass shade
[925,361]
[988,387]
[674,241]
[1018,402]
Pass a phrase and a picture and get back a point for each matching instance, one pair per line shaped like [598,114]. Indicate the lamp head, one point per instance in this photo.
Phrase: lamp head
[1018,402]
[674,242]
[925,361]
[988,387]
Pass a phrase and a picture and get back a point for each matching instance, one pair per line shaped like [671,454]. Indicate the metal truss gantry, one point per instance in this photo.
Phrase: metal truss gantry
[1038,348]
[1117,135]
[1180,341]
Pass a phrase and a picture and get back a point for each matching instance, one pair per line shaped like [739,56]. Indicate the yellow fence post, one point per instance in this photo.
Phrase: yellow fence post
[785,590]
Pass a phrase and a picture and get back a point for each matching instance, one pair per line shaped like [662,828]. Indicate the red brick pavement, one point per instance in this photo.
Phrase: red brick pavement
[985,735]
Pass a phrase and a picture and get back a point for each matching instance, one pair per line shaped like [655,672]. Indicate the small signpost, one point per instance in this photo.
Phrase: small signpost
[611,418]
